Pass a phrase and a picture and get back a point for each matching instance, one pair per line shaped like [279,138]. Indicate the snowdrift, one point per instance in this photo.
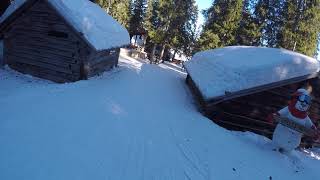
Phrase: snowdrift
[236,68]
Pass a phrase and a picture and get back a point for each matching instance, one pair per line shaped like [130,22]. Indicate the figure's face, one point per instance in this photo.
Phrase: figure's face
[302,106]
[303,103]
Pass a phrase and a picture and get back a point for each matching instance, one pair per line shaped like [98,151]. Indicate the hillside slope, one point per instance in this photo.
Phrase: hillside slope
[136,122]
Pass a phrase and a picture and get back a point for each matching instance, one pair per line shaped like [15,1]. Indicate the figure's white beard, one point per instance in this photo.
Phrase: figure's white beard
[301,106]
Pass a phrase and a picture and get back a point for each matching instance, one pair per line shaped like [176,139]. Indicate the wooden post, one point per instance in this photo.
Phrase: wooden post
[174,55]
[162,51]
[292,125]
[152,59]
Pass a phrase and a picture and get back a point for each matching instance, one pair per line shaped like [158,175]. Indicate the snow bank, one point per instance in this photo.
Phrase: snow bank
[99,28]
[240,67]
[133,123]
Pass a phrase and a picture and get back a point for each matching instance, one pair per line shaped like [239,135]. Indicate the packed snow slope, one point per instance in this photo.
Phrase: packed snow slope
[235,68]
[136,122]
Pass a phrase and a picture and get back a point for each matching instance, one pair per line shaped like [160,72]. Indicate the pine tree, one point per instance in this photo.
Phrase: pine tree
[249,31]
[160,15]
[182,29]
[136,24]
[301,27]
[274,23]
[222,22]
[153,25]
[261,18]
[118,9]
[121,11]
[207,40]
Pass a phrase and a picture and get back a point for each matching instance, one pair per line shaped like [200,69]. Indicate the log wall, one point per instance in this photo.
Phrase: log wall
[102,61]
[249,113]
[40,43]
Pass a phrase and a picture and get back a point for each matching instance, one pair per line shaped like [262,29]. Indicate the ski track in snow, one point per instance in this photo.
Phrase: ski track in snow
[192,161]
[136,122]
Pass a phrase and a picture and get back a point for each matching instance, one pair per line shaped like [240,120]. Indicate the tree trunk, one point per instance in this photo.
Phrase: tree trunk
[130,36]
[144,43]
[162,51]
[135,40]
[152,59]
[174,55]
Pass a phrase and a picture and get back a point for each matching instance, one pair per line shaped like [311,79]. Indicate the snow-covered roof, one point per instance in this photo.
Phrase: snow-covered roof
[236,68]
[99,28]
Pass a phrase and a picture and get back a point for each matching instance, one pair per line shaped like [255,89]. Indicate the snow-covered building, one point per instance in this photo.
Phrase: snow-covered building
[60,40]
[237,87]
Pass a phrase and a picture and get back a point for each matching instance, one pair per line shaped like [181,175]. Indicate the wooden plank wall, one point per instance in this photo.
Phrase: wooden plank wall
[102,61]
[249,113]
[40,43]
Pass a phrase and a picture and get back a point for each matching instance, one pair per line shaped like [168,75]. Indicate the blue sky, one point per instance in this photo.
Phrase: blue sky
[203,4]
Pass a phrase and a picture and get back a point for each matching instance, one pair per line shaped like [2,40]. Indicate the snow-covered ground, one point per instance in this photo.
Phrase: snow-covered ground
[136,122]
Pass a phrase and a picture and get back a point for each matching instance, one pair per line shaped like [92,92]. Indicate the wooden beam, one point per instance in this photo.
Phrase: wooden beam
[245,92]
[294,126]
[261,131]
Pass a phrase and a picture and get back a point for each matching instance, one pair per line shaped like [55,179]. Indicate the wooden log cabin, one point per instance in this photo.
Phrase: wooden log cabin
[62,41]
[238,87]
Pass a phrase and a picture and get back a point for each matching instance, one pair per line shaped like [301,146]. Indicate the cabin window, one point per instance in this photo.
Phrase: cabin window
[58,34]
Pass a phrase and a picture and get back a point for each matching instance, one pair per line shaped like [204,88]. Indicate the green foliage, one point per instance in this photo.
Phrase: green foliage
[274,23]
[301,28]
[222,21]
[136,24]
[207,40]
[290,24]
[249,31]
[172,23]
[260,15]
[118,9]
[182,29]
[154,23]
